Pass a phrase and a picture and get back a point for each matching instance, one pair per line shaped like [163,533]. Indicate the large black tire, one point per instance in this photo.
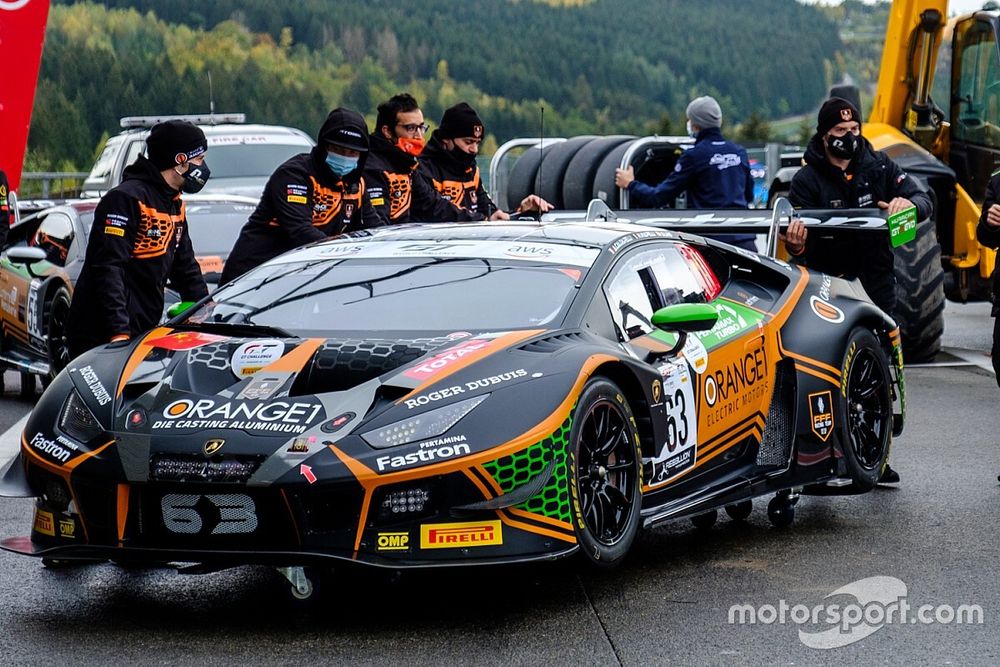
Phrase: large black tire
[866,406]
[604,177]
[604,474]
[57,331]
[920,295]
[521,181]
[578,182]
[552,170]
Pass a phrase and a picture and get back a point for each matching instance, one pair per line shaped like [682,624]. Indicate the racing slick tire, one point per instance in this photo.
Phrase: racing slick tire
[521,181]
[578,182]
[920,294]
[604,177]
[57,331]
[866,406]
[552,171]
[604,473]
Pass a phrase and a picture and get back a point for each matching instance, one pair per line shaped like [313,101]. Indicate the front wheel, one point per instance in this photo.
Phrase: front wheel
[867,409]
[605,465]
[58,331]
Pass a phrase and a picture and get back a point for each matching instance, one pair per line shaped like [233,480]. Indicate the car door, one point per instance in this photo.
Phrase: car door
[641,282]
[16,288]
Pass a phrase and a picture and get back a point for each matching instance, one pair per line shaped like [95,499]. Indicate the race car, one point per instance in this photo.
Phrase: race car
[429,395]
[43,256]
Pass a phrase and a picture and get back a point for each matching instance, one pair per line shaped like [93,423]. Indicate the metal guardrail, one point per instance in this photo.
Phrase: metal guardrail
[46,184]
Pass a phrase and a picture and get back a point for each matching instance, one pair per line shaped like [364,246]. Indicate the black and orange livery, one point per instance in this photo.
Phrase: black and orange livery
[230,444]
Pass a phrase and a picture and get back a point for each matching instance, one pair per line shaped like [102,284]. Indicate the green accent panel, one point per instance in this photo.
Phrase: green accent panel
[735,319]
[680,313]
[512,472]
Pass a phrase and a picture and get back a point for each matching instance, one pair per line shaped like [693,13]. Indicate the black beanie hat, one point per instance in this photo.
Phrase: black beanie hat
[834,111]
[460,120]
[174,142]
[345,128]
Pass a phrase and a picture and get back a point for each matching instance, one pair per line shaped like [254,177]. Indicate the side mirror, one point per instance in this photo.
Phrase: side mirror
[686,317]
[682,319]
[179,308]
[25,255]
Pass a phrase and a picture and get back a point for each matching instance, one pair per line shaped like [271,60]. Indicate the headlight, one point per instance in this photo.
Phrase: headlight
[427,425]
[77,421]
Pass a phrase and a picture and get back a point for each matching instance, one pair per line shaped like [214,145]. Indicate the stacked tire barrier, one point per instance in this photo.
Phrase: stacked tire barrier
[569,173]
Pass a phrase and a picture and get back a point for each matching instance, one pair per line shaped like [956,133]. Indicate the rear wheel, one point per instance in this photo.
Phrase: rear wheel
[867,409]
[605,466]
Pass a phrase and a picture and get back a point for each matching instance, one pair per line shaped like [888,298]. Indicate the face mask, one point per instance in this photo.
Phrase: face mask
[340,164]
[691,133]
[195,178]
[461,156]
[842,147]
[413,146]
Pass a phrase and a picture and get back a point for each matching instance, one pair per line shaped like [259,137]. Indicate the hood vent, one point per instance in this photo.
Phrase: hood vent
[554,343]
[344,364]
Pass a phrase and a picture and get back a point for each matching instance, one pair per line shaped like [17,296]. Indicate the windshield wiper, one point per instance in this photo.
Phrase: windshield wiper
[237,329]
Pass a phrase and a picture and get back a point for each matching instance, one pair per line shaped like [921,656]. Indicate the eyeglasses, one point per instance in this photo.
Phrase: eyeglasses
[414,127]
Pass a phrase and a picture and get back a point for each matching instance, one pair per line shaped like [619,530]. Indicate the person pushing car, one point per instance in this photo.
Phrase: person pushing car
[139,241]
[310,197]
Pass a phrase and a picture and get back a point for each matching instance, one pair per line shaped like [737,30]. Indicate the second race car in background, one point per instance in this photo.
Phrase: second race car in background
[41,261]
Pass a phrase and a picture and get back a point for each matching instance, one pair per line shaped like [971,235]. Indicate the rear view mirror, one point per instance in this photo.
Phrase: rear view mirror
[179,308]
[25,255]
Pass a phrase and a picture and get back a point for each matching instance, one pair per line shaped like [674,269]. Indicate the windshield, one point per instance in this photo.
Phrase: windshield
[250,159]
[215,226]
[397,294]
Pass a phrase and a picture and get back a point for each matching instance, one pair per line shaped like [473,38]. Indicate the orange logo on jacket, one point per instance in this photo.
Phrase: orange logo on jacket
[156,231]
[399,194]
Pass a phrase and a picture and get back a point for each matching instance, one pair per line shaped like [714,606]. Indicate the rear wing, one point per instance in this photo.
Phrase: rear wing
[756,221]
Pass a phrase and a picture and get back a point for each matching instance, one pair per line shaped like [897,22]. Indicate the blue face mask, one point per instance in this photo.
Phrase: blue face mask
[341,165]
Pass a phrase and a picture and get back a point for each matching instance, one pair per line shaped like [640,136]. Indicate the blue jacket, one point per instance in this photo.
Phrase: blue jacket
[714,172]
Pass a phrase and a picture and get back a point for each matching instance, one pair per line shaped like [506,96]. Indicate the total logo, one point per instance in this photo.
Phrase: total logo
[440,361]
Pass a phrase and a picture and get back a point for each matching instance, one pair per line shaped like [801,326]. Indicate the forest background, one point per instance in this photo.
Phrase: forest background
[595,66]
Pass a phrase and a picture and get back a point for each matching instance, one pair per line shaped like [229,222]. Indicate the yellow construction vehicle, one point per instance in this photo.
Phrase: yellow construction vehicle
[953,151]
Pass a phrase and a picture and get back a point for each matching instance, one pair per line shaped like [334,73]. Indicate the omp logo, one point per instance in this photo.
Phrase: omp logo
[13,5]
[826,311]
[214,514]
[460,535]
[393,541]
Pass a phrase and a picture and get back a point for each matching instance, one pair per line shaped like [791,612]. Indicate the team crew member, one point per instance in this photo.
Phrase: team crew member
[449,161]
[139,240]
[988,233]
[310,197]
[5,213]
[842,170]
[714,172]
[396,192]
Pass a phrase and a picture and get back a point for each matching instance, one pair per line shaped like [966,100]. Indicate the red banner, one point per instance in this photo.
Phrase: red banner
[22,34]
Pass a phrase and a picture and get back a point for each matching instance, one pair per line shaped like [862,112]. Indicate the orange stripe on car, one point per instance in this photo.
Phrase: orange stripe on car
[295,361]
[139,355]
[503,342]
[122,511]
[822,376]
[535,529]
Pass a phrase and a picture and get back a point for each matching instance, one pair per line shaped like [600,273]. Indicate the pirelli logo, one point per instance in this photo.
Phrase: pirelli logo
[460,535]
[297,199]
[114,231]
[44,523]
